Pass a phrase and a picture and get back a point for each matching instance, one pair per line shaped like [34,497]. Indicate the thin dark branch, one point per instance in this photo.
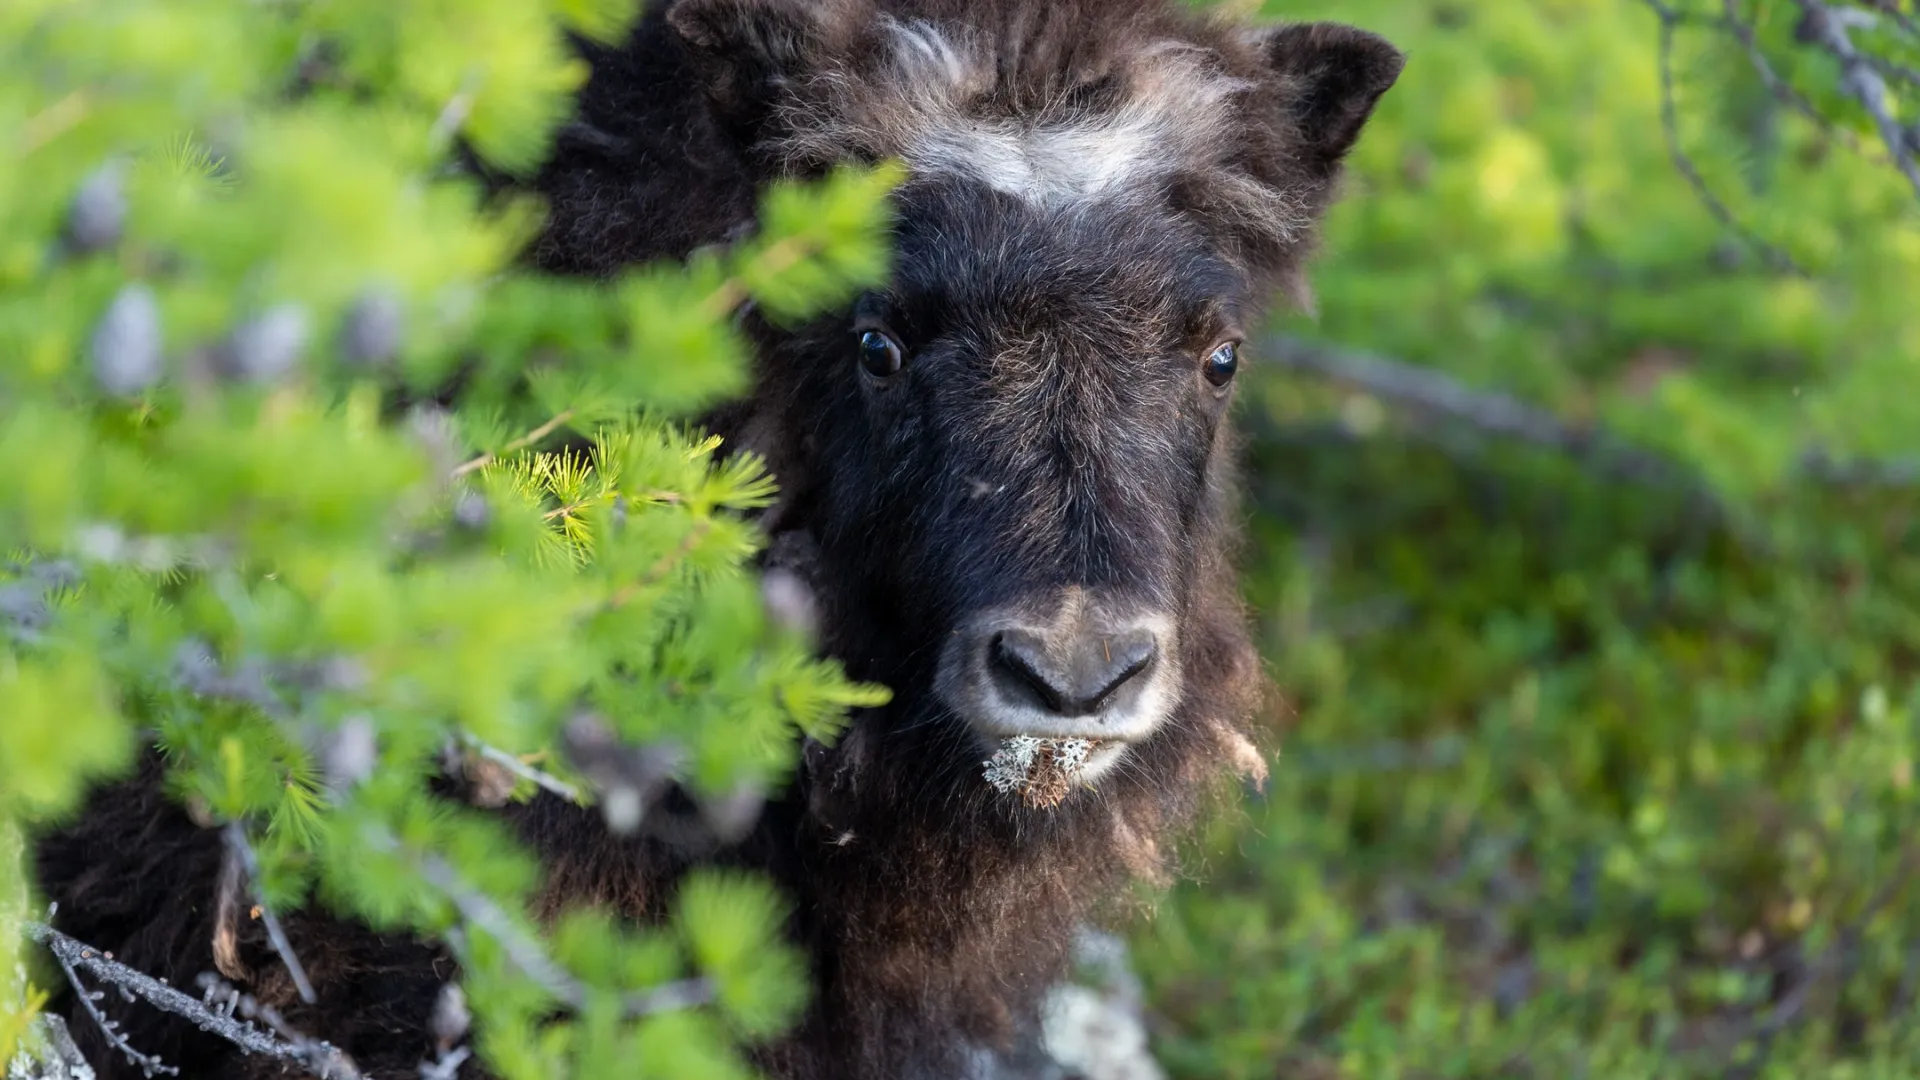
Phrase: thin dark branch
[148,1064]
[453,116]
[1775,258]
[1436,394]
[1668,13]
[1821,25]
[318,1058]
[236,838]
[521,769]
[1871,472]
[1897,72]
[232,1001]
[1778,86]
[1905,21]
[479,911]
[59,1057]
[668,997]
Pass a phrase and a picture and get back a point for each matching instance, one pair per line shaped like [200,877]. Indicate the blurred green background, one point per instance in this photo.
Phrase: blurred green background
[1582,771]
[1589,764]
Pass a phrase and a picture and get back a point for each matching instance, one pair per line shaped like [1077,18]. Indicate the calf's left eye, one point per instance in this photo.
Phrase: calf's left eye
[1222,363]
[880,354]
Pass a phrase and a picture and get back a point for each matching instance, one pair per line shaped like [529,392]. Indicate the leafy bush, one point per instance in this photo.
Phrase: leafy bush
[1584,771]
[235,240]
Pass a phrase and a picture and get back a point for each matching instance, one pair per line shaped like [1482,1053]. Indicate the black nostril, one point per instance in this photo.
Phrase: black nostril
[1020,655]
[1122,664]
[1079,676]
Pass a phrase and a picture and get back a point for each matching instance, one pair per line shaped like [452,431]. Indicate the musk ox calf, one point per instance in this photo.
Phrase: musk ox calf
[1007,475]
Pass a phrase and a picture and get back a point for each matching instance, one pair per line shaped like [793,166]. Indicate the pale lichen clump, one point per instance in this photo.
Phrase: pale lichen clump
[1042,771]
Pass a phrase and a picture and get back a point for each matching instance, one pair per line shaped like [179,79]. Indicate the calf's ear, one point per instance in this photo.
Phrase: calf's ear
[1331,75]
[745,51]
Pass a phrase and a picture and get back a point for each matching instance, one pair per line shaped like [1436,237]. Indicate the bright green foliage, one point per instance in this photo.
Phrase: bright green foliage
[1516,219]
[1581,776]
[13,905]
[229,236]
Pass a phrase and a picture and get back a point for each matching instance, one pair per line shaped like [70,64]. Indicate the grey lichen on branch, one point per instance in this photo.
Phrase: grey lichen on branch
[240,850]
[320,1059]
[49,1054]
[1827,27]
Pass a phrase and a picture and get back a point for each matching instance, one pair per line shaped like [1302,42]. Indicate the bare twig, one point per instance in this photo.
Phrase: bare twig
[228,894]
[1864,78]
[147,1064]
[479,911]
[319,1058]
[230,1001]
[553,424]
[661,566]
[57,1058]
[236,838]
[1431,392]
[1778,86]
[53,121]
[1775,258]
[1821,25]
[1896,72]
[778,256]
[1434,393]
[453,116]
[1893,9]
[668,997]
[1818,465]
[521,769]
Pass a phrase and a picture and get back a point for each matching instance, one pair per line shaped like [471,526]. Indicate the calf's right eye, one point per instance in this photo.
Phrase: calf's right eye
[879,354]
[1222,363]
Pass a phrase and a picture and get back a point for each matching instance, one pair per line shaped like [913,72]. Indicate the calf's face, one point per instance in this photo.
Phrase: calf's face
[1018,444]
[1029,425]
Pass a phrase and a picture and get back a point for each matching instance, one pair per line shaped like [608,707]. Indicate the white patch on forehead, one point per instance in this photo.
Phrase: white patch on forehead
[1174,111]
[1174,107]
[1045,165]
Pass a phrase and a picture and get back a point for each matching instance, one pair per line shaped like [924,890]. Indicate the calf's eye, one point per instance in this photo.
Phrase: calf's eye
[879,354]
[1222,362]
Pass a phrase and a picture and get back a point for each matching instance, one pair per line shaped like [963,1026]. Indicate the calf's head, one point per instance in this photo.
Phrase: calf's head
[1017,449]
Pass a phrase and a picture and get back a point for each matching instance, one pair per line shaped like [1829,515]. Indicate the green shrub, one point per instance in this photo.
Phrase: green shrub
[232,238]
[1581,774]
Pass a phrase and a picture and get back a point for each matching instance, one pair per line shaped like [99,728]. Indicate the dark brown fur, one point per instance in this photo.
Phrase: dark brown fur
[933,910]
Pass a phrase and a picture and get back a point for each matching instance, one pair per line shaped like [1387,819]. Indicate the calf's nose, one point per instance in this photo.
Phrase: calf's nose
[1070,674]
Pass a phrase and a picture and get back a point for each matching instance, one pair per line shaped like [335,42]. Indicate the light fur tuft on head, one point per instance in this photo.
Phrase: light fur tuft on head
[1168,108]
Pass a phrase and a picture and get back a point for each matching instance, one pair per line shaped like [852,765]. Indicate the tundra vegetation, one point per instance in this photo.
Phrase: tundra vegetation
[1596,749]
[1005,480]
[235,246]
[1597,759]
